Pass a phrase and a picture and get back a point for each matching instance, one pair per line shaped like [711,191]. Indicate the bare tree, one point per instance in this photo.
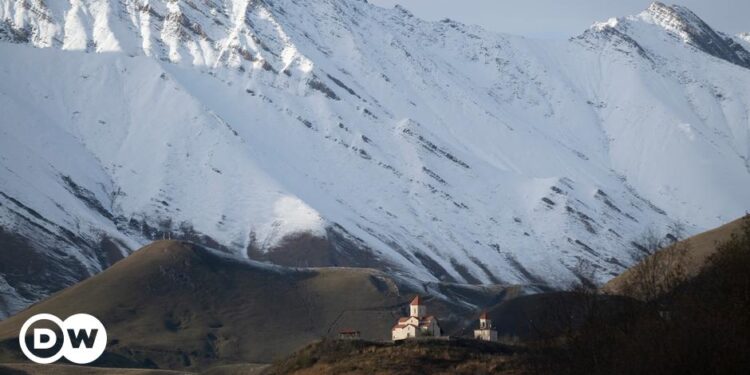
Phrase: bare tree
[677,231]
[660,268]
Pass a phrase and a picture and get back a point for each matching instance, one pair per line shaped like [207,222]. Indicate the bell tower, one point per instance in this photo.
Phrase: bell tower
[484,321]
[416,308]
[485,331]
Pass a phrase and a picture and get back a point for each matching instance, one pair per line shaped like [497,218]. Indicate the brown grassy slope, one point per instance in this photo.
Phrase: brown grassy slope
[237,369]
[699,248]
[455,357]
[29,369]
[175,305]
[56,369]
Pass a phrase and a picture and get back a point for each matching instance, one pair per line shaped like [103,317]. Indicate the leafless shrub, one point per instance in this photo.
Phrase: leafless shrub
[661,267]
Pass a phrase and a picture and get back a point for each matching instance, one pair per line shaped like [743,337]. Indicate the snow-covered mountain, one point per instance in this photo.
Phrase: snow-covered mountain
[335,132]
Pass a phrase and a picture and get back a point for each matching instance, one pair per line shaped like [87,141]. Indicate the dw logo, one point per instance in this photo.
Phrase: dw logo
[83,339]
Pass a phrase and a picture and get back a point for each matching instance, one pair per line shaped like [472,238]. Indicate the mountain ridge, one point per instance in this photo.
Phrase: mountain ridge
[367,137]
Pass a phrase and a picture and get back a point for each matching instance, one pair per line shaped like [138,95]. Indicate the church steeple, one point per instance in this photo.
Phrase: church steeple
[416,308]
[484,321]
[485,331]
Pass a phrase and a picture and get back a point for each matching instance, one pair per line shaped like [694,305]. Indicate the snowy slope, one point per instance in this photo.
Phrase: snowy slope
[743,39]
[334,132]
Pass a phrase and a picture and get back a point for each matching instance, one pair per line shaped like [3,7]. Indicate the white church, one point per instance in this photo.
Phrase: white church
[485,331]
[417,324]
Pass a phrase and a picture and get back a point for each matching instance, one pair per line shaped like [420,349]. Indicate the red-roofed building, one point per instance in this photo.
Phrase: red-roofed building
[349,334]
[417,324]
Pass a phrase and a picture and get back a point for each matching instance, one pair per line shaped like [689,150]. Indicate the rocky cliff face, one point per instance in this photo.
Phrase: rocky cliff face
[684,24]
[334,132]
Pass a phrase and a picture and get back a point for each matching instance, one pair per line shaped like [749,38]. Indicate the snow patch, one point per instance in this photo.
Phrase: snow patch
[687,130]
[610,23]
[291,216]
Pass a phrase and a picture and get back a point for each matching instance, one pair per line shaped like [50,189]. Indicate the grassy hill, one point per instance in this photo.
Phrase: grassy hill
[695,251]
[177,305]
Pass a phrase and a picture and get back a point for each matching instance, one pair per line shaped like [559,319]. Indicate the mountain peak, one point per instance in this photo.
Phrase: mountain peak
[678,20]
[691,29]
[674,18]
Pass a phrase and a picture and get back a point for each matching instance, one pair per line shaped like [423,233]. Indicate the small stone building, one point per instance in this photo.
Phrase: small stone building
[349,334]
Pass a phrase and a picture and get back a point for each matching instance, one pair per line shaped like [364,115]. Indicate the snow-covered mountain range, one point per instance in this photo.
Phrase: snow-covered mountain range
[335,132]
